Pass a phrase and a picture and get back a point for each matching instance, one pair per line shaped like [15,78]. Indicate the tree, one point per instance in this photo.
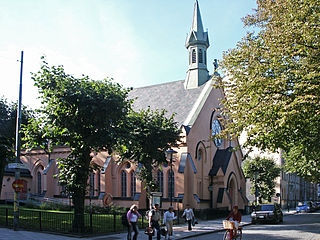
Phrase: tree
[273,85]
[82,114]
[262,173]
[8,118]
[149,135]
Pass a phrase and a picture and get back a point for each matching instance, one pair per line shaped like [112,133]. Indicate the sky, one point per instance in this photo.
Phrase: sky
[135,42]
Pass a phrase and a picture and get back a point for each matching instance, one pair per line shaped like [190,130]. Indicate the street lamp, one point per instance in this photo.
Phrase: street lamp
[169,154]
[256,192]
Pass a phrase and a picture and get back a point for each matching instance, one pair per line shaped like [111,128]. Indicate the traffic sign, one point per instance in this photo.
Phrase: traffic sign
[18,185]
[18,165]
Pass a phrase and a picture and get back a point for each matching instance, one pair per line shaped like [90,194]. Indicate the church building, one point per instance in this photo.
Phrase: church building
[206,172]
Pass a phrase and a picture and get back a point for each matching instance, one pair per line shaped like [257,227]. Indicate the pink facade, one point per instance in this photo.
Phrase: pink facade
[117,183]
[206,172]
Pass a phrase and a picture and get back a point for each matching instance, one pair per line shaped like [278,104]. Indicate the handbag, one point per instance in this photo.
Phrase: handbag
[194,221]
[149,231]
[163,230]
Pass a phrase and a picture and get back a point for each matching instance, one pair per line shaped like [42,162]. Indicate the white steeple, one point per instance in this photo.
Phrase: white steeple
[197,44]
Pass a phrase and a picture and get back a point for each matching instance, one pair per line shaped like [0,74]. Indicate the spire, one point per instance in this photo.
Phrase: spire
[197,34]
[197,44]
[197,22]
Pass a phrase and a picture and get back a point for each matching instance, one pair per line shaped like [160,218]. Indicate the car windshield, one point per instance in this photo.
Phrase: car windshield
[267,207]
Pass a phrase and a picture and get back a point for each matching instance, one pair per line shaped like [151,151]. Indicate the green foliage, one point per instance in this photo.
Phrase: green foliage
[82,114]
[111,209]
[273,88]
[8,118]
[262,173]
[149,135]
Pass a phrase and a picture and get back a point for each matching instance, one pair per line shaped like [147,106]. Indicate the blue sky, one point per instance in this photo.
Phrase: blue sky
[136,42]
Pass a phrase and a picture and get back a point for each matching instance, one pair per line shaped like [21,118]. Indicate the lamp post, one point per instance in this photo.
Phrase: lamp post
[170,153]
[256,192]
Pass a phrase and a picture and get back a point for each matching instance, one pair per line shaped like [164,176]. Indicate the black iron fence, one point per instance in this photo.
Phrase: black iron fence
[62,221]
[95,223]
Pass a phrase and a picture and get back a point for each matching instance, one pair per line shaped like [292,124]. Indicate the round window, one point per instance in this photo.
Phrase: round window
[216,129]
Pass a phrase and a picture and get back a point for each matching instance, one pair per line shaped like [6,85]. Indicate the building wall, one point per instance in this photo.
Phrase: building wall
[292,188]
[107,184]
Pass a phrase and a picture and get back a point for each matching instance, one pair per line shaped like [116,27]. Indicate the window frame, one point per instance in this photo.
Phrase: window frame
[123,186]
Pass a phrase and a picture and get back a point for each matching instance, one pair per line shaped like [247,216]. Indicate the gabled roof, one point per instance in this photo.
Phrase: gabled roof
[172,97]
[221,160]
[183,161]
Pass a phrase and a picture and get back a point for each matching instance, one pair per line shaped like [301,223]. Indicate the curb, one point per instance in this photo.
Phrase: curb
[208,232]
[221,230]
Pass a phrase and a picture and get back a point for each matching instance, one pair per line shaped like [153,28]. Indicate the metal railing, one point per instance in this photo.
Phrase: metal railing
[52,221]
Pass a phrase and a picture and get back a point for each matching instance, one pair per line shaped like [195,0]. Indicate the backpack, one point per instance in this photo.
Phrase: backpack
[124,220]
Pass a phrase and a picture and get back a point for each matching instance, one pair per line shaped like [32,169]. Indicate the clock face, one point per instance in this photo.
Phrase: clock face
[216,129]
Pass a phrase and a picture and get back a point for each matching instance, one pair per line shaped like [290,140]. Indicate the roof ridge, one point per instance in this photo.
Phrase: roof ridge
[159,84]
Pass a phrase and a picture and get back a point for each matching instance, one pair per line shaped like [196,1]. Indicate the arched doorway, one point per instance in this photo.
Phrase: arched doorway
[233,190]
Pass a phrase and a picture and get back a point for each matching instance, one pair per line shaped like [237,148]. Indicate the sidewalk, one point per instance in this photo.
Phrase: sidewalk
[180,232]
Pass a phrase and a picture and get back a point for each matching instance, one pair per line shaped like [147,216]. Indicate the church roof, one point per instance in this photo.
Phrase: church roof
[221,160]
[171,96]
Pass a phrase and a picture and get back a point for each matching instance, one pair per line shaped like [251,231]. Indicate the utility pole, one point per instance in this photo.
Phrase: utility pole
[17,150]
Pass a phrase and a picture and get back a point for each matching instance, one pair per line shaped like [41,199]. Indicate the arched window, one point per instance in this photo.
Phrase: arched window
[123,184]
[216,129]
[133,183]
[194,57]
[200,154]
[39,178]
[200,56]
[170,183]
[91,184]
[160,181]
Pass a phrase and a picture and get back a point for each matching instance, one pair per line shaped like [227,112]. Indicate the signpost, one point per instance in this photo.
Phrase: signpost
[156,198]
[18,185]
[17,165]
[17,151]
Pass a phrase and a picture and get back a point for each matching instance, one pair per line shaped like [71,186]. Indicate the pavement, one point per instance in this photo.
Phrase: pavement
[180,231]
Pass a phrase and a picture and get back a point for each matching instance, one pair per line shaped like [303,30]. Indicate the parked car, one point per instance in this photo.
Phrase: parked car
[267,213]
[306,206]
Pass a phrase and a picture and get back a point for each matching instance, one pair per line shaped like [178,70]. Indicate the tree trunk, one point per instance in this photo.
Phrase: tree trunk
[78,196]
[78,202]
[2,166]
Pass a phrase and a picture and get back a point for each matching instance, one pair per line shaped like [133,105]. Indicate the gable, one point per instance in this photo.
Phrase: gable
[221,160]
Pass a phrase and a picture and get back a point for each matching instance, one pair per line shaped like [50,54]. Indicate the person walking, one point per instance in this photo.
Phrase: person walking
[188,213]
[168,218]
[154,218]
[132,217]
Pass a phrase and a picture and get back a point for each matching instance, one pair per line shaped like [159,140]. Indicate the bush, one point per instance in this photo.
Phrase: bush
[107,210]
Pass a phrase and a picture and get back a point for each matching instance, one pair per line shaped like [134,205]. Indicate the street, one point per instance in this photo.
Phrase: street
[301,226]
